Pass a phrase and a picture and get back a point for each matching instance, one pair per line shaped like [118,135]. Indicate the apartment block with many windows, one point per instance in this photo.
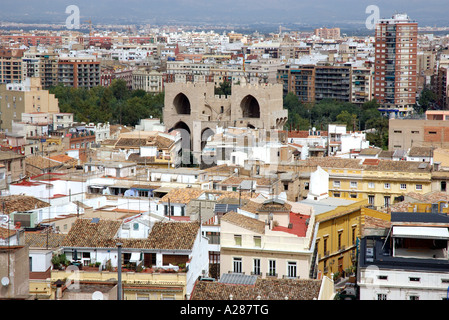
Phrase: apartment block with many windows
[395,74]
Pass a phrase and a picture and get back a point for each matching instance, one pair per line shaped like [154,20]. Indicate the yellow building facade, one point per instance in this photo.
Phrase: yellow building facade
[337,234]
[381,185]
[135,285]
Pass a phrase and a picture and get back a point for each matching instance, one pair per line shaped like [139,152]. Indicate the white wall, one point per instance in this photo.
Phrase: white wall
[399,287]
[40,260]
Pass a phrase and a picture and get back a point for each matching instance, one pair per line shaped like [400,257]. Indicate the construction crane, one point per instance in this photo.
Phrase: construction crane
[90,27]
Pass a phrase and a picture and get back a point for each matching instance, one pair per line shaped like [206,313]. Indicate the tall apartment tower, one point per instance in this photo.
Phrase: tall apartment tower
[395,68]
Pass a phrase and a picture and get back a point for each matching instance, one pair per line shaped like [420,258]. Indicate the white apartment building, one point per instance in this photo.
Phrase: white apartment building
[409,262]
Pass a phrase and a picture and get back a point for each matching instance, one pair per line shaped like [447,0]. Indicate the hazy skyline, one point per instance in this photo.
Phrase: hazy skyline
[317,12]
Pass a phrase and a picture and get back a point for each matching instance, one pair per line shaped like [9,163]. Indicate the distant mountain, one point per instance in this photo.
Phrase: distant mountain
[318,12]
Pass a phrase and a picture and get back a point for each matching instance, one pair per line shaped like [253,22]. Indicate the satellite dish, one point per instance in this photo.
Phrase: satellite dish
[5,281]
[97,295]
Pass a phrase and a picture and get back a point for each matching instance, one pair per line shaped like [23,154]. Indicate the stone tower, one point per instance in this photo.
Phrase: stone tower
[195,110]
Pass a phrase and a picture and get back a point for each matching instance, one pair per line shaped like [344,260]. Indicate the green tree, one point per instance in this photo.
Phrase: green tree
[427,99]
[224,88]
[349,119]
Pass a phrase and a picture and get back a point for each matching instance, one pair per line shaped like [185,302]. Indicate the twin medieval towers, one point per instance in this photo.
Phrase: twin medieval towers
[195,110]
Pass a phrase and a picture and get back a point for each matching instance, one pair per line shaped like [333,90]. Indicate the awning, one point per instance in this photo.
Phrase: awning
[421,232]
[135,257]
[163,190]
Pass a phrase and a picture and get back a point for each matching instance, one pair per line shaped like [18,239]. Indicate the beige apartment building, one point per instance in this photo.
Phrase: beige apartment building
[433,131]
[43,65]
[25,97]
[327,33]
[148,80]
[11,67]
[274,249]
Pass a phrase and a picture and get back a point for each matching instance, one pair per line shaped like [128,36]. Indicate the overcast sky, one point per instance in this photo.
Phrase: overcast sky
[315,12]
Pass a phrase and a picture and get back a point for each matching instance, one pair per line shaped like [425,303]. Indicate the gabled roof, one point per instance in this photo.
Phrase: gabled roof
[182,195]
[173,235]
[21,203]
[101,233]
[93,234]
[42,240]
[245,222]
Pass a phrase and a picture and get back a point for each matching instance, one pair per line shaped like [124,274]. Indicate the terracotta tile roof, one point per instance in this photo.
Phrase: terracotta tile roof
[130,142]
[370,151]
[85,233]
[64,159]
[331,162]
[4,233]
[245,222]
[41,240]
[21,203]
[371,162]
[41,162]
[267,289]
[400,166]
[255,206]
[182,195]
[235,181]
[102,234]
[420,152]
[171,235]
[161,142]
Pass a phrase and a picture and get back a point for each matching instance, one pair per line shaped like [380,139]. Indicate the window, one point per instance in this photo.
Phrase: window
[337,184]
[291,269]
[353,235]
[272,268]
[386,201]
[257,241]
[419,187]
[237,265]
[325,246]
[403,186]
[353,184]
[371,199]
[371,185]
[386,186]
[414,297]
[382,277]
[256,267]
[238,239]
[443,186]
[381,296]
[339,239]
[414,279]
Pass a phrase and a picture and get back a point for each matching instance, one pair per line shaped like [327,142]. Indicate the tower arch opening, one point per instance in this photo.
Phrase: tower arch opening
[182,104]
[250,107]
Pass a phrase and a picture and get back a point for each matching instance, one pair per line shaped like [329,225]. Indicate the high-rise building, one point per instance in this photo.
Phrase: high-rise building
[11,69]
[395,73]
[43,65]
[24,97]
[79,72]
[312,83]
